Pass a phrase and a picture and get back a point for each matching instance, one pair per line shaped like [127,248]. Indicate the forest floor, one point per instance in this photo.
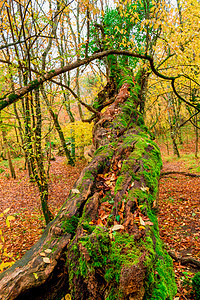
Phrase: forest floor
[179,212]
[178,216]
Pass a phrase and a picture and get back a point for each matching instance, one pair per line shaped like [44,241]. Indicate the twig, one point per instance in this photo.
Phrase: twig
[184,260]
[181,173]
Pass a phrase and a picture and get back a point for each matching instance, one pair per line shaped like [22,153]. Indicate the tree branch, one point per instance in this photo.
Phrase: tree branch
[177,172]
[12,98]
[184,260]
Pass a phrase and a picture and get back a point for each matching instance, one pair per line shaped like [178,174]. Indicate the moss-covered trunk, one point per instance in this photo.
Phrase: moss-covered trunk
[104,243]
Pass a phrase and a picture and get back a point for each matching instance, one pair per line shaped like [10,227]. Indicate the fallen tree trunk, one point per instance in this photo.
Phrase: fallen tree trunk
[104,243]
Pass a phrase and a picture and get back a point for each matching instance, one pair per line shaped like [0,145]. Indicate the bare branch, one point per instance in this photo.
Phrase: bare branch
[80,62]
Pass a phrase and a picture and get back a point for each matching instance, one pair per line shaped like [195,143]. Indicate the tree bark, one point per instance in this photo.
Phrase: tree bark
[104,243]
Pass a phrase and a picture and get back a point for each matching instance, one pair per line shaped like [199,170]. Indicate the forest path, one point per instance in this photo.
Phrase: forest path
[178,216]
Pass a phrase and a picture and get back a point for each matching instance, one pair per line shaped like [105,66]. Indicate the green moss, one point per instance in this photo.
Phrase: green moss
[114,295]
[96,105]
[140,121]
[34,83]
[52,71]
[124,252]
[120,183]
[97,246]
[102,149]
[70,224]
[129,113]
[88,175]
[196,285]
[78,204]
[160,283]
[12,97]
[105,255]
[108,198]
[82,266]
[89,228]
[135,177]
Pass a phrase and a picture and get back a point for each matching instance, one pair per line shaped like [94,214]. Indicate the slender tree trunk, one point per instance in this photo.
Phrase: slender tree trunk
[58,129]
[104,243]
[173,137]
[197,137]
[41,177]
[7,150]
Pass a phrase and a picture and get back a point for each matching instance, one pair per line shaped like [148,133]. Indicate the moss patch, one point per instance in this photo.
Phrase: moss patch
[12,97]
[70,224]
[196,285]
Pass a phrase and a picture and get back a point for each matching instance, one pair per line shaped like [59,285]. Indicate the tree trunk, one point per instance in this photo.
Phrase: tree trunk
[7,151]
[196,137]
[104,243]
[41,176]
[58,129]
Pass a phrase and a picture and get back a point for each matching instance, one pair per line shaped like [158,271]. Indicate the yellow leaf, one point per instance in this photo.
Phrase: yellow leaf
[141,227]
[6,4]
[1,215]
[7,223]
[10,218]
[35,275]
[6,210]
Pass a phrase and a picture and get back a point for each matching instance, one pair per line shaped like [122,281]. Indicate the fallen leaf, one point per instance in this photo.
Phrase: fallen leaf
[7,223]
[113,177]
[75,191]
[67,297]
[122,208]
[144,189]
[99,222]
[141,227]
[119,164]
[42,254]
[35,275]
[141,221]
[105,217]
[117,227]
[6,210]
[149,223]
[11,218]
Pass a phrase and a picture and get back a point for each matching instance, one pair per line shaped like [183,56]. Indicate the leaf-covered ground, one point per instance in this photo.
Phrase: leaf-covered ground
[22,198]
[179,213]
[178,216]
